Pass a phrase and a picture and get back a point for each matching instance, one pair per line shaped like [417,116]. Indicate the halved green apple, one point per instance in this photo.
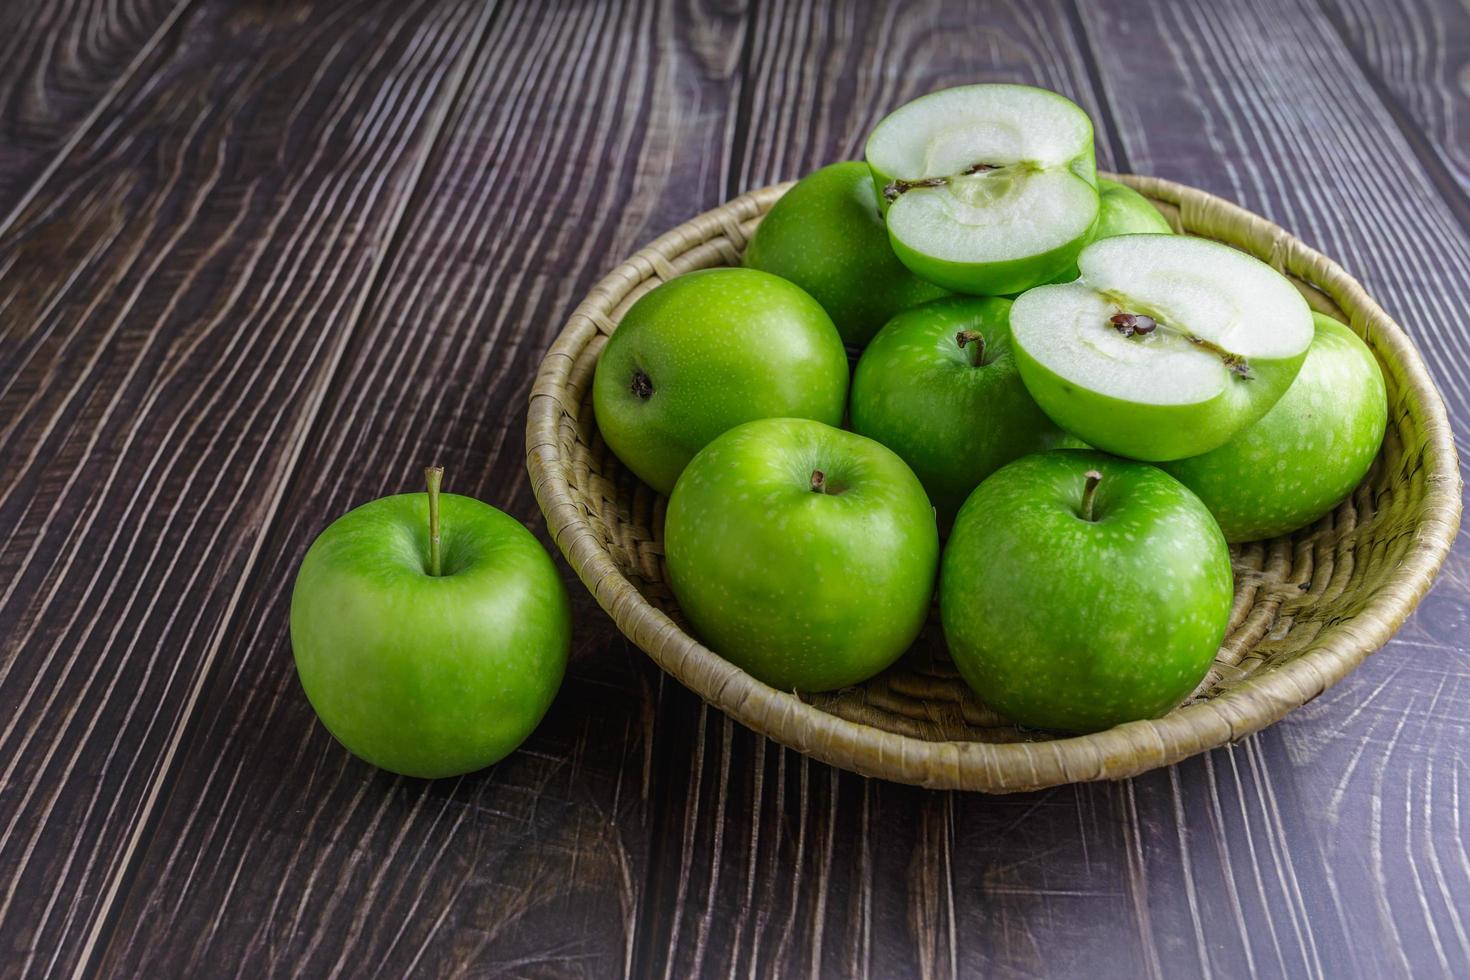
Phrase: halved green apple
[1166,347]
[987,189]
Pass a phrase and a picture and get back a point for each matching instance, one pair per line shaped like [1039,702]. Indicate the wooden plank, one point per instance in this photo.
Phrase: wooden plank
[1308,139]
[583,130]
[1281,856]
[62,62]
[175,299]
[1413,54]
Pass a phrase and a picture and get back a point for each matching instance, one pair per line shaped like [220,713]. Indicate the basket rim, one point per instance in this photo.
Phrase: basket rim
[1123,751]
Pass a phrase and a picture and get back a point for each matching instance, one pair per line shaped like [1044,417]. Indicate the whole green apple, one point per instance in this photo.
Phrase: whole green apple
[1122,211]
[1079,591]
[827,236]
[1307,453]
[1165,347]
[939,386]
[430,632]
[987,189]
[705,352]
[801,553]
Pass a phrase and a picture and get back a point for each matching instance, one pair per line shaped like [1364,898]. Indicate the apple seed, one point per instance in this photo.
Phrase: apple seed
[1141,324]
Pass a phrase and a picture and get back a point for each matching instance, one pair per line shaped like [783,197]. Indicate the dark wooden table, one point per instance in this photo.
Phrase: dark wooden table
[261,260]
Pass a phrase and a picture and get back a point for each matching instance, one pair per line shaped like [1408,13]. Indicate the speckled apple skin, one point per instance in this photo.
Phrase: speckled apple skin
[422,675]
[805,591]
[827,236]
[954,422]
[721,347]
[1121,211]
[1077,625]
[1307,453]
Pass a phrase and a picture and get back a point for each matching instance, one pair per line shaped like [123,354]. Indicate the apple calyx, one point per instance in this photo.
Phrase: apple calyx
[899,186]
[641,385]
[434,477]
[1141,325]
[976,342]
[1089,490]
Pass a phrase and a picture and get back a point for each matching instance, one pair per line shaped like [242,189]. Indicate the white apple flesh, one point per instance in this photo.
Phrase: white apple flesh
[1165,347]
[988,189]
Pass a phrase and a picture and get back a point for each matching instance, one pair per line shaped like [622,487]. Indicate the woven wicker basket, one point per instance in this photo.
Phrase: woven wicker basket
[1308,608]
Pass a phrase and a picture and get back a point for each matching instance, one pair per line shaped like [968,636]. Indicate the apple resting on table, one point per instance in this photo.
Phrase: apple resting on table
[801,553]
[1079,591]
[939,386]
[430,632]
[826,235]
[1166,347]
[1308,452]
[705,352]
[989,189]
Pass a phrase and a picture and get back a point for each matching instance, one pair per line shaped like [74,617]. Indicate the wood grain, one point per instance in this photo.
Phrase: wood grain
[583,130]
[61,66]
[271,258]
[175,297]
[1367,771]
[1221,866]
[1416,61]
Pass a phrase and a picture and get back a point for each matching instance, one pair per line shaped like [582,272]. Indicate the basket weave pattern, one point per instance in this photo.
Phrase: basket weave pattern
[1308,607]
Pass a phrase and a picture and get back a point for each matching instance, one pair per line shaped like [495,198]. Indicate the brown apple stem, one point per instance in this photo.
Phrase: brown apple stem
[1088,492]
[819,481]
[434,477]
[642,385]
[976,343]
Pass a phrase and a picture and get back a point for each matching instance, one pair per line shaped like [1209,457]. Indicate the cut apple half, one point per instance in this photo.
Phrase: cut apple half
[1165,347]
[988,189]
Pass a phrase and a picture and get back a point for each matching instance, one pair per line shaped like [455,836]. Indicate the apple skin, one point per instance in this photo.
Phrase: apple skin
[999,278]
[1307,453]
[920,394]
[1121,211]
[424,675]
[718,347]
[1152,433]
[804,590]
[826,235]
[1063,623]
[1003,278]
[1124,211]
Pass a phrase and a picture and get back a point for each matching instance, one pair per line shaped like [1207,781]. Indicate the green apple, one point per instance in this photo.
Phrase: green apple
[827,236]
[1166,347]
[801,553]
[989,189]
[1079,591]
[705,352]
[1124,211]
[430,632]
[939,386]
[1307,453]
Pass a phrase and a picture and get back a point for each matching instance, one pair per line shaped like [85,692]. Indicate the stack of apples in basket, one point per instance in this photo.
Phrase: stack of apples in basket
[1060,414]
